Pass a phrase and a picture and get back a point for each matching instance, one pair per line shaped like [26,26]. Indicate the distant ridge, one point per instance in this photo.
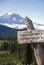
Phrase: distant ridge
[6,32]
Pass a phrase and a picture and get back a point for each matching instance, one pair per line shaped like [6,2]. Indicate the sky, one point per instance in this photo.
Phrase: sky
[34,9]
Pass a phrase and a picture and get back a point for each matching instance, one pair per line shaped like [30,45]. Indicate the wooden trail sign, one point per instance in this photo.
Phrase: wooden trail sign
[36,47]
[30,36]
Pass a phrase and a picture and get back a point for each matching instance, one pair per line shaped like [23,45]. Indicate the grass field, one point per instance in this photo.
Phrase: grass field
[9,53]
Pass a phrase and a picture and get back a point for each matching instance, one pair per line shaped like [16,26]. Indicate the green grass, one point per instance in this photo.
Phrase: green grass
[7,57]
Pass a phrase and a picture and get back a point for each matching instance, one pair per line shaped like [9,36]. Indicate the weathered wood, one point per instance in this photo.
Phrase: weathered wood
[30,36]
[36,47]
[38,54]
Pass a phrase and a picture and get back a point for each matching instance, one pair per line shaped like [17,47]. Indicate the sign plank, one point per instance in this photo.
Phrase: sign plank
[30,36]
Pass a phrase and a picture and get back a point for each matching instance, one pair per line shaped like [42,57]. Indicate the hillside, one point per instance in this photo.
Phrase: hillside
[6,32]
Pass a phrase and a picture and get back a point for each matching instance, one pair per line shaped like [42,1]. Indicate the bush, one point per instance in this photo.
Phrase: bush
[12,48]
[5,46]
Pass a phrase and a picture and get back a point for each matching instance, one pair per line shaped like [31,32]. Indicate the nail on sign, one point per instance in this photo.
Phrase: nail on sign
[30,36]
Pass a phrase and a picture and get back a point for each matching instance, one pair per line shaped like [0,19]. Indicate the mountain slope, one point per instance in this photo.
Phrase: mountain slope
[13,21]
[10,24]
[6,32]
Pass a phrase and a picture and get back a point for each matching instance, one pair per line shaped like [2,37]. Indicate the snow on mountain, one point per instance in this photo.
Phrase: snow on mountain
[38,26]
[10,13]
[13,20]
[17,26]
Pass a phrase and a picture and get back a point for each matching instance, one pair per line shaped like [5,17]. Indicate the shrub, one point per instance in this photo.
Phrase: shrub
[12,48]
[5,46]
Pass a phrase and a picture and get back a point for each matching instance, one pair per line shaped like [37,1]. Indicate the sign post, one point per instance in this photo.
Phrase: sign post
[35,37]
[36,47]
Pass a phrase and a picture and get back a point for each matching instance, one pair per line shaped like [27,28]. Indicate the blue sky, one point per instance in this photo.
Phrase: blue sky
[34,9]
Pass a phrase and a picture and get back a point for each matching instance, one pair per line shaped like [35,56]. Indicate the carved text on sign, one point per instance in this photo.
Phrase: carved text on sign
[30,36]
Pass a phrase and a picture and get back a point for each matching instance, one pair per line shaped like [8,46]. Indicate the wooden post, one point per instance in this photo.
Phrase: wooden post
[36,47]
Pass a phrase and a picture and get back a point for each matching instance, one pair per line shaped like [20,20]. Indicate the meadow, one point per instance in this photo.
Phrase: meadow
[11,53]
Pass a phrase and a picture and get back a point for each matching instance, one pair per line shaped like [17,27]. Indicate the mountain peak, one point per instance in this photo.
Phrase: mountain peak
[10,13]
[12,20]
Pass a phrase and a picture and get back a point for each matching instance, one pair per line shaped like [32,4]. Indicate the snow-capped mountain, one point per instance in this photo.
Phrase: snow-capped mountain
[12,20]
[10,23]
